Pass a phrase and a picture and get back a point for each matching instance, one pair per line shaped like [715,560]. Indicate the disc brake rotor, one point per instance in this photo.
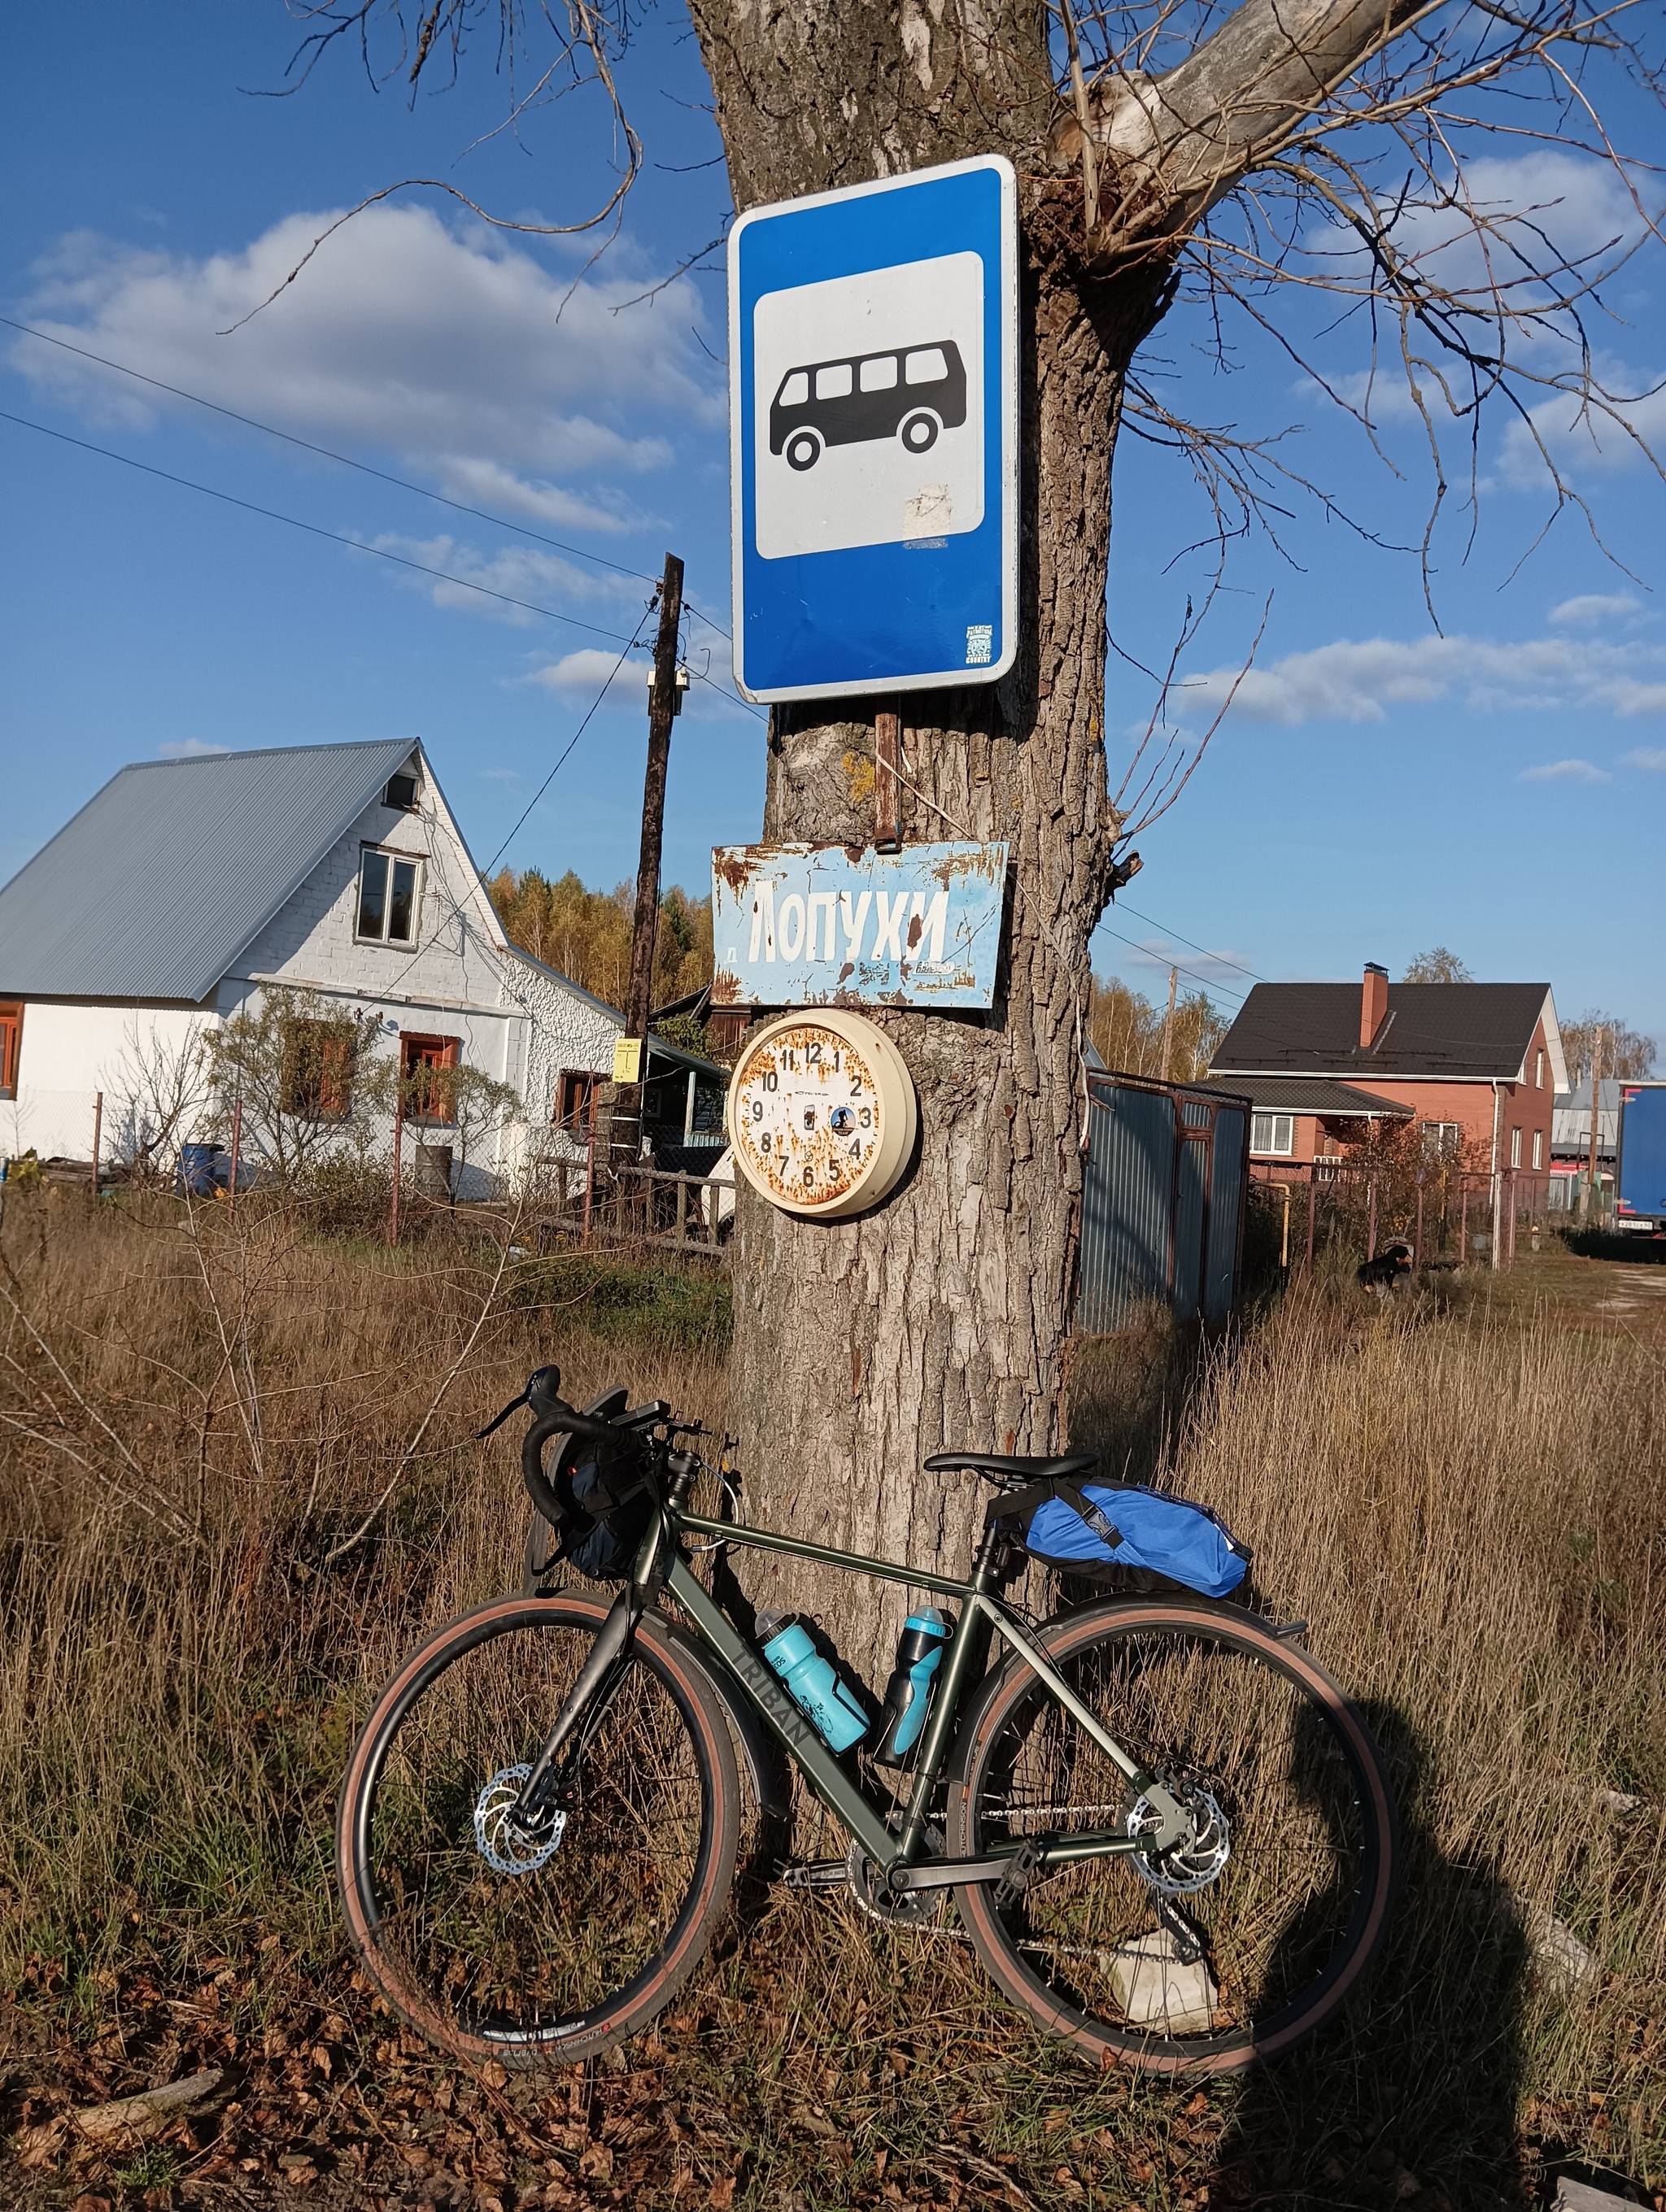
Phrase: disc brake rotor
[1190,1864]
[506,1845]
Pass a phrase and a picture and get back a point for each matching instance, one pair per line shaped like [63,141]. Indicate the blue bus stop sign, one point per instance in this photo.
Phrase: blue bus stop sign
[873,430]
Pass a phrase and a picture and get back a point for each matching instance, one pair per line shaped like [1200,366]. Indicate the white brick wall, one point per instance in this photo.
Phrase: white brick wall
[518,1021]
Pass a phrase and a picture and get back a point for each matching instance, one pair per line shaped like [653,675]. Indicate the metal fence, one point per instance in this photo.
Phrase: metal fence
[1447,1215]
[1163,1190]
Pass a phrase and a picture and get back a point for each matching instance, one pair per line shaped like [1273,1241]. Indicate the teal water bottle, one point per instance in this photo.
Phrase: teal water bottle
[812,1681]
[908,1694]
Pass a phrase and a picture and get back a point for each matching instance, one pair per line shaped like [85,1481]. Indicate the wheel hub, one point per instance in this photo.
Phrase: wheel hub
[508,1844]
[1197,1859]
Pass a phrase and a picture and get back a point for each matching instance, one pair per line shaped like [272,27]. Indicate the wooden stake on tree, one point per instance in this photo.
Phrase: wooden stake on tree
[887,792]
[625,1138]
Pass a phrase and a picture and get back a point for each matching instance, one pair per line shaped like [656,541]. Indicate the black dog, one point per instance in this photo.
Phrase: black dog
[1382,1273]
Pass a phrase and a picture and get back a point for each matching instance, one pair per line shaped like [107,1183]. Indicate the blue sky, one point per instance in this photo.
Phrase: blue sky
[1378,785]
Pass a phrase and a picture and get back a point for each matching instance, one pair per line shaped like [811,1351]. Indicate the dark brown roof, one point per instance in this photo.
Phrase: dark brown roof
[1432,1031]
[1298,1094]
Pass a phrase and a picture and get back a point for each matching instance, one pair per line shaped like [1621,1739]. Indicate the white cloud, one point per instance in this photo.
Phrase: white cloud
[1645,756]
[1565,771]
[1359,681]
[1582,438]
[459,353]
[519,572]
[589,668]
[1593,607]
[189,749]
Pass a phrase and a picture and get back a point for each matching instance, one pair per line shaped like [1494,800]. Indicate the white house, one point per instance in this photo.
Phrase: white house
[185,889]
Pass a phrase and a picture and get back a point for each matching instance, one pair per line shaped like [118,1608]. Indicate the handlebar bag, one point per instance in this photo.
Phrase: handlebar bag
[609,1506]
[1089,1529]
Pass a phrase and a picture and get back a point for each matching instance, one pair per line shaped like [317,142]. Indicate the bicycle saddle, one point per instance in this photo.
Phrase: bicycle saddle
[998,1467]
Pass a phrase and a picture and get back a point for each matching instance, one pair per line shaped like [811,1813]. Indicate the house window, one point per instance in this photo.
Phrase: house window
[430,1089]
[1272,1133]
[11,1037]
[1538,1075]
[401,793]
[1442,1140]
[316,1082]
[1514,1148]
[387,897]
[1538,1149]
[576,1092]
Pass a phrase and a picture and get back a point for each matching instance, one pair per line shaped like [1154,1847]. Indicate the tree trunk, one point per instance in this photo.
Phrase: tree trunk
[942,1317]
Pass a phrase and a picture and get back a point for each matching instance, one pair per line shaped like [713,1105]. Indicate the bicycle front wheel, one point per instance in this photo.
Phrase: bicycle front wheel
[552,1948]
[1284,1890]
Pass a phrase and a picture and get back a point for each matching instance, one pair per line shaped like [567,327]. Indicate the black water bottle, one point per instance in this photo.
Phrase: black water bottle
[908,1694]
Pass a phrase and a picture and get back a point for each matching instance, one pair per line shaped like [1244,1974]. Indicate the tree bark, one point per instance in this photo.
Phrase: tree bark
[942,1318]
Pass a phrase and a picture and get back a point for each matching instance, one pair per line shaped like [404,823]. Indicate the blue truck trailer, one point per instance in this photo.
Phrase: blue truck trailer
[1641,1175]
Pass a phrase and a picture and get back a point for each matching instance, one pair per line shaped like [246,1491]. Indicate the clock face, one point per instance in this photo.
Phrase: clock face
[807,1116]
[822,1113]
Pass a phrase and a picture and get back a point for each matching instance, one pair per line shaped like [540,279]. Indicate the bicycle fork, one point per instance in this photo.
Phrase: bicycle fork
[592,1691]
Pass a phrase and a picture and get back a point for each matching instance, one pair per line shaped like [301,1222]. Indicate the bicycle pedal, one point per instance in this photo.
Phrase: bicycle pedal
[812,1874]
[1016,1880]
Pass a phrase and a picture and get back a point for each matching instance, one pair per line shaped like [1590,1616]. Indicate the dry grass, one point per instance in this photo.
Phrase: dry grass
[1466,1506]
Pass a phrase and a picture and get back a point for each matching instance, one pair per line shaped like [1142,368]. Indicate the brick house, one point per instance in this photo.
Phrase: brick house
[1479,1064]
[184,891]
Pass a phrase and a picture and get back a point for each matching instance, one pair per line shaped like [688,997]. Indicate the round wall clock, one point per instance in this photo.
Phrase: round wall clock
[822,1113]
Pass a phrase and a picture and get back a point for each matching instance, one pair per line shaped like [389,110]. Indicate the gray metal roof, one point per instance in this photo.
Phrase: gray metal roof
[154,888]
[1311,1094]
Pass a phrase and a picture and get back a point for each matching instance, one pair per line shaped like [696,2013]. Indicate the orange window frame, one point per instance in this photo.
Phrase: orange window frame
[425,1063]
[11,1039]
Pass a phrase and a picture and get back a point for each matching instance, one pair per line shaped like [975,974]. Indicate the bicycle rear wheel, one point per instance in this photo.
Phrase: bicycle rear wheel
[493,1948]
[1287,1893]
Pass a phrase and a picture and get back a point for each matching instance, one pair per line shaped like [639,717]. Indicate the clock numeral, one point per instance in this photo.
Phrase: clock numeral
[812,1055]
[856,1087]
[757,1109]
[865,1117]
[771,1080]
[809,1172]
[856,1148]
[764,1142]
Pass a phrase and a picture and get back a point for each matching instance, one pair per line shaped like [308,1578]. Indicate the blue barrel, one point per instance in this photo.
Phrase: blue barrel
[196,1176]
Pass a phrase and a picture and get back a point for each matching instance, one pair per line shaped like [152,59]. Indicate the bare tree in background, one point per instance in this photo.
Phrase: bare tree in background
[1627,1056]
[1437,965]
[1169,152]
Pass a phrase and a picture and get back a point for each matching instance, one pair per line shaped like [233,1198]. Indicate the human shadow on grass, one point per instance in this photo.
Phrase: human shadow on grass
[1410,2099]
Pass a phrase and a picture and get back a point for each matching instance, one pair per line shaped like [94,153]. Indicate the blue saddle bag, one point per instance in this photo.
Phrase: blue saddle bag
[1090,1529]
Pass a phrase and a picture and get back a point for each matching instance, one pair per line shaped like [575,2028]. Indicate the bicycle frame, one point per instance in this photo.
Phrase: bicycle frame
[886,1850]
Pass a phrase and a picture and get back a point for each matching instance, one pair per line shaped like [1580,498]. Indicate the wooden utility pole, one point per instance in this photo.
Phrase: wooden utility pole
[1595,1096]
[1168,1025]
[625,1135]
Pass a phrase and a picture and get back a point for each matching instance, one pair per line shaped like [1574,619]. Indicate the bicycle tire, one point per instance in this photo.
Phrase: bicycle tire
[1211,1699]
[563,1958]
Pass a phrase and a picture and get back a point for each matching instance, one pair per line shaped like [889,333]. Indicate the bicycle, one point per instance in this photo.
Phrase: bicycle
[1165,1828]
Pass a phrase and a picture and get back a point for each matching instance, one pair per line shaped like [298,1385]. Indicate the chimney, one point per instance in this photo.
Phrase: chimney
[1373,1003]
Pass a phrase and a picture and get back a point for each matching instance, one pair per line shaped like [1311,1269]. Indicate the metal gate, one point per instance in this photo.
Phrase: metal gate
[1163,1199]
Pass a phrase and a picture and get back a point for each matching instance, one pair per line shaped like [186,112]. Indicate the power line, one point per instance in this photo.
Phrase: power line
[571,742]
[1208,981]
[1219,956]
[315,530]
[346,460]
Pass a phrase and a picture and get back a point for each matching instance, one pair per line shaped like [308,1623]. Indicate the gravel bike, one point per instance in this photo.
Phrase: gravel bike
[1165,1829]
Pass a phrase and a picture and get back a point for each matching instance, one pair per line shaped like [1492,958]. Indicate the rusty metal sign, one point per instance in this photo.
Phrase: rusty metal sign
[839,926]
